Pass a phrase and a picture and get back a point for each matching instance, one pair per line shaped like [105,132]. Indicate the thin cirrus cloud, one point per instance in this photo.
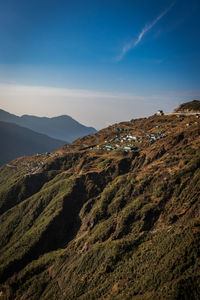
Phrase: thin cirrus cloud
[132,44]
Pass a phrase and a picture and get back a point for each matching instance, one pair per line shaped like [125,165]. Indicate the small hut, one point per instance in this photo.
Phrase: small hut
[160,113]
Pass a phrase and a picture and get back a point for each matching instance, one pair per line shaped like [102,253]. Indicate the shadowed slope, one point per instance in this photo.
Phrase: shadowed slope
[19,141]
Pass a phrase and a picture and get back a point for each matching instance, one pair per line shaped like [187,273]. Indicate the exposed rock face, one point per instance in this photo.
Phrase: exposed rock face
[97,224]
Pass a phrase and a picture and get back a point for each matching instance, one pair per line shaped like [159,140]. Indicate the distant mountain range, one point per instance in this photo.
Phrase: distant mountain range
[18,141]
[63,128]
[28,135]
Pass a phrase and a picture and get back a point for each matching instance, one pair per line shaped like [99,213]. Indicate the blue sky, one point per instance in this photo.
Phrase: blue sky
[100,61]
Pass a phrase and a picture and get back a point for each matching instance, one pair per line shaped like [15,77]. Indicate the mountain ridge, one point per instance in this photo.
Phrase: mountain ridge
[63,127]
[187,107]
[98,221]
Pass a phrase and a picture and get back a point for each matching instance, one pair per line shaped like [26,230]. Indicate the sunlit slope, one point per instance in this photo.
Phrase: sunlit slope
[114,215]
[192,106]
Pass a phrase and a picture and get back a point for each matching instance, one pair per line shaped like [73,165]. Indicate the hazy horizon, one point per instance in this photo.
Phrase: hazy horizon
[100,63]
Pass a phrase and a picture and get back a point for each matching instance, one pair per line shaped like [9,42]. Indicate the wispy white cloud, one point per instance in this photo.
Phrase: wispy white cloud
[132,44]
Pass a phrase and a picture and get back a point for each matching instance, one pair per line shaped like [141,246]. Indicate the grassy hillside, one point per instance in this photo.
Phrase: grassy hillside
[189,106]
[18,141]
[115,215]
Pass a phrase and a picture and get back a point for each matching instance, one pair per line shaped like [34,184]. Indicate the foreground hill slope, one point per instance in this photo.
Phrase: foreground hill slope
[18,141]
[114,215]
[62,128]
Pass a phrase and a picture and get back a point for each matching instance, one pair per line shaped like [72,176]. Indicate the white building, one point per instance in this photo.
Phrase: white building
[160,113]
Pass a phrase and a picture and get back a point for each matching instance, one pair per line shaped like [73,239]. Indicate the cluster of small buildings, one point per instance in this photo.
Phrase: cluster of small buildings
[35,167]
[128,142]
[48,154]
[116,147]
[152,137]
[123,139]
[32,169]
[129,138]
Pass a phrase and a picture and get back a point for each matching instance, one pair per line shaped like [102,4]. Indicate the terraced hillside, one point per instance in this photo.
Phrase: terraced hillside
[114,215]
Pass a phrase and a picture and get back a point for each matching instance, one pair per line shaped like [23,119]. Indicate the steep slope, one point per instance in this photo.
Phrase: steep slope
[106,217]
[63,127]
[17,141]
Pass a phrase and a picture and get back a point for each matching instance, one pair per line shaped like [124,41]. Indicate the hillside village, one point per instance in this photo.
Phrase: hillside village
[34,164]
[130,142]
[126,137]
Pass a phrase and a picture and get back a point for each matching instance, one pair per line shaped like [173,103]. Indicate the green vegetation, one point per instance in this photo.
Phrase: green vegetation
[96,225]
[193,105]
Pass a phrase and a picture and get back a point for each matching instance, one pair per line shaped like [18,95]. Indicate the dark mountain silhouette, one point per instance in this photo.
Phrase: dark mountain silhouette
[62,127]
[17,141]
